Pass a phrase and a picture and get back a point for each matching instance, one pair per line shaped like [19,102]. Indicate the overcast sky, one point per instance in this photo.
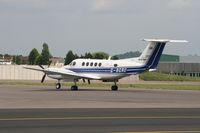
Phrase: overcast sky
[112,26]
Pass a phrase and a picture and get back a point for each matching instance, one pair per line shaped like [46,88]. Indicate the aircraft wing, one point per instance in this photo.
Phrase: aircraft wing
[70,74]
[65,73]
[36,69]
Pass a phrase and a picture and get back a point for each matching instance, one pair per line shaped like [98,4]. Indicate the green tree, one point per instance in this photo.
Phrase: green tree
[33,56]
[7,56]
[38,60]
[14,59]
[115,57]
[45,54]
[69,57]
[100,55]
[18,60]
[76,56]
[88,55]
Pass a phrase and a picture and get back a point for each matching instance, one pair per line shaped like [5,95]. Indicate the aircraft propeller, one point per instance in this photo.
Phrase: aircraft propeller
[44,76]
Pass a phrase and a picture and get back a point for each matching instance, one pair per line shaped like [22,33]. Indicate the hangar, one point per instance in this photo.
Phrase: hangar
[180,65]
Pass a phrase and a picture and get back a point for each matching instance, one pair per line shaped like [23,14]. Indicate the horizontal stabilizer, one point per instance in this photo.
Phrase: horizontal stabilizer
[181,41]
[164,40]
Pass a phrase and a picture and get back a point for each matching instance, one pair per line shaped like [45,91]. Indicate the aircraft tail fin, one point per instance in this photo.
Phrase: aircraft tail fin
[151,55]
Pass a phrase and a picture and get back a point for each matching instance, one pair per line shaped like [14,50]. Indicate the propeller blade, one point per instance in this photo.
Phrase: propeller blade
[41,66]
[49,63]
[43,78]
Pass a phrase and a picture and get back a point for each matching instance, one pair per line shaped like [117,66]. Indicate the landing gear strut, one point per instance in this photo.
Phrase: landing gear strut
[114,87]
[74,87]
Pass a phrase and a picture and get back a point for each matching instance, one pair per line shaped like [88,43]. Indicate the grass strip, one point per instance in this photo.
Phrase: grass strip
[143,85]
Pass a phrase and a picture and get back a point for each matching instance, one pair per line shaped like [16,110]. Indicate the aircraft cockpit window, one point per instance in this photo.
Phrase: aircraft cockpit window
[100,64]
[115,65]
[83,64]
[95,64]
[74,63]
[91,64]
[87,64]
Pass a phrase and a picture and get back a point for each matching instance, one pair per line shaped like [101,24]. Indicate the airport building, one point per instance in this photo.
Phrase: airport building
[5,61]
[180,65]
[57,61]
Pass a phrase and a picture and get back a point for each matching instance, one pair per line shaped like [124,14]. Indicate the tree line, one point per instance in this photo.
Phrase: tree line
[70,56]
[36,58]
[16,59]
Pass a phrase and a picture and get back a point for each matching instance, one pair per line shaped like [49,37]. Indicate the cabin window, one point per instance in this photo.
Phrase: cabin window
[83,64]
[91,64]
[95,64]
[87,64]
[100,64]
[115,65]
[74,63]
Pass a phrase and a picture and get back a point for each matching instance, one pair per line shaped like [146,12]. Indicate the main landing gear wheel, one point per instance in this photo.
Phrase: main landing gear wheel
[74,88]
[114,88]
[58,86]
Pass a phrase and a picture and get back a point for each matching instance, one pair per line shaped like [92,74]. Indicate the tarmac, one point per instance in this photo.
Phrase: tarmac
[17,97]
[94,110]
[100,120]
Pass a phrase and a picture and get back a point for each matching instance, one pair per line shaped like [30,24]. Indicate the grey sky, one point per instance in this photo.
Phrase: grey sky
[113,26]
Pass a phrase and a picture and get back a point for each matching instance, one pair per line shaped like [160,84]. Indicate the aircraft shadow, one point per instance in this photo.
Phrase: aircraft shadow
[86,90]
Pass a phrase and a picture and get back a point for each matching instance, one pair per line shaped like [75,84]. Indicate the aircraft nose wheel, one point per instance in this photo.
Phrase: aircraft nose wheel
[114,88]
[58,86]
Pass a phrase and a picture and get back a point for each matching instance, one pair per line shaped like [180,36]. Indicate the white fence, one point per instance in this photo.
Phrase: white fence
[17,72]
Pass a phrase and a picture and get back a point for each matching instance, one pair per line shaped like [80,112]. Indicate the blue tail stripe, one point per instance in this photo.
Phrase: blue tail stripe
[155,63]
[153,56]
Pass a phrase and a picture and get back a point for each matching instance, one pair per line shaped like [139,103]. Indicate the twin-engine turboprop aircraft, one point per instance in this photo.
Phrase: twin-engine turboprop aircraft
[108,70]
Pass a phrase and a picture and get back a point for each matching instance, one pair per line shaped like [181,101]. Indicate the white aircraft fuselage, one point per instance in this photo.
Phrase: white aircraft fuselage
[100,69]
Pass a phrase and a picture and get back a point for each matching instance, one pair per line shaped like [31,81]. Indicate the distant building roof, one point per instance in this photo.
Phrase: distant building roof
[169,58]
[56,59]
[190,59]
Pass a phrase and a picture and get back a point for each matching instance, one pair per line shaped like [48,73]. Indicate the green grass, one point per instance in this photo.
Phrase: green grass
[169,85]
[155,76]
